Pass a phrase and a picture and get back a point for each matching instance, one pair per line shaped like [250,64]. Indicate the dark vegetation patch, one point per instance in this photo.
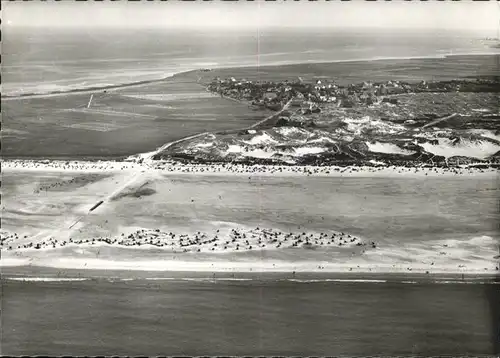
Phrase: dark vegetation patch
[134,193]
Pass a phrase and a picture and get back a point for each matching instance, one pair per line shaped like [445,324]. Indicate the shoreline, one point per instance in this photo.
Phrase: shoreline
[249,267]
[43,273]
[19,166]
[86,90]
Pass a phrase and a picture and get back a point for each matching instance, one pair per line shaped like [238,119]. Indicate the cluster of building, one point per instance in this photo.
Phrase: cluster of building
[263,94]
[274,95]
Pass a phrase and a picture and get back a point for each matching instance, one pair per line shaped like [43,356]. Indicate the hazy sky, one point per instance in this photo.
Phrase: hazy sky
[464,15]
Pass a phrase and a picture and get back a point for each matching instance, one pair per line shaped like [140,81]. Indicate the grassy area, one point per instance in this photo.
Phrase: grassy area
[476,108]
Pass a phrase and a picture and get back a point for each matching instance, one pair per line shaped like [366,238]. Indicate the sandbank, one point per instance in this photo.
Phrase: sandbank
[244,169]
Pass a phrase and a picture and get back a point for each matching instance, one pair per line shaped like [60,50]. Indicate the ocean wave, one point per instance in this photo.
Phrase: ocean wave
[194,279]
[440,282]
[153,279]
[456,281]
[46,279]
[337,280]
[464,282]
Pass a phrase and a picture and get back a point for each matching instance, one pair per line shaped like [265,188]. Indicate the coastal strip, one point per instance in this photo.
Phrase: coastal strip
[250,266]
[166,167]
[88,90]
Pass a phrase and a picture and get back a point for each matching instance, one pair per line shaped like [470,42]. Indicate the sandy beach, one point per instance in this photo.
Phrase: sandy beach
[242,169]
[49,221]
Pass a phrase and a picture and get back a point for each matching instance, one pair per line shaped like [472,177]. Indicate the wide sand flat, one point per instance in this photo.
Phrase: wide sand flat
[418,224]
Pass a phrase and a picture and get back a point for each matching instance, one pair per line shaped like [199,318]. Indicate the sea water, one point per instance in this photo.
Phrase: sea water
[261,316]
[48,60]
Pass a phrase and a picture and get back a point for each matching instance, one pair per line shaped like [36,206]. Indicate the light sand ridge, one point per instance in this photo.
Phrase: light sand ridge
[246,169]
